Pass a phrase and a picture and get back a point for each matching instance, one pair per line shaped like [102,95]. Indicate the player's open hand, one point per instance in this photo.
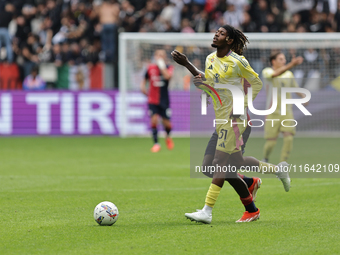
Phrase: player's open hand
[297,60]
[179,58]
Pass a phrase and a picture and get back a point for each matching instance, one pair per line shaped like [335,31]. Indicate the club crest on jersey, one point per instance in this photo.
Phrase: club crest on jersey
[225,67]
[212,60]
[217,76]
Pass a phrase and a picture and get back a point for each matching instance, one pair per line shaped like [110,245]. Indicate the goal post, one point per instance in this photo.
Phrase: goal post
[318,73]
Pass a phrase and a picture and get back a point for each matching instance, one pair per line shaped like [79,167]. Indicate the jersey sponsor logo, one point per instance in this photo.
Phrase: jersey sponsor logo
[210,67]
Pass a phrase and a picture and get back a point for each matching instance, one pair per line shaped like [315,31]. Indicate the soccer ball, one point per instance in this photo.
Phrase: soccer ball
[105,213]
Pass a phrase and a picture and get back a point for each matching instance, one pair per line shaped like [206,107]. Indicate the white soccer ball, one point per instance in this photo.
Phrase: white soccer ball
[106,213]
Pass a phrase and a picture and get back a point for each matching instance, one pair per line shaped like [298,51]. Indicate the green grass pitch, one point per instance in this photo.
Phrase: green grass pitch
[50,186]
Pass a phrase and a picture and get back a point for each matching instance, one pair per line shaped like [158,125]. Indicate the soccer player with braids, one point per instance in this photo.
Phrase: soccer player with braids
[228,66]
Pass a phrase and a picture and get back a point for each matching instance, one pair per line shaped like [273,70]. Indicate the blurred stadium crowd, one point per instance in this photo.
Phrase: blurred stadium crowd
[75,33]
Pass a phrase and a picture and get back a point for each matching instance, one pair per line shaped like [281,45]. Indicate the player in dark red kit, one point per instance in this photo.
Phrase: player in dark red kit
[158,75]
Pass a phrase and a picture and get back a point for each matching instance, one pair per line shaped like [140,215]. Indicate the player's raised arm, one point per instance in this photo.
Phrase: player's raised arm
[294,62]
[182,60]
[160,57]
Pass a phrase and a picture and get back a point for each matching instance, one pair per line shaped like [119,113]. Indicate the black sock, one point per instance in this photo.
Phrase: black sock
[248,181]
[167,130]
[154,135]
[251,207]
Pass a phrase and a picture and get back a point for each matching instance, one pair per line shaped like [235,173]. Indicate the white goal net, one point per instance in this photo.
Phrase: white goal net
[318,74]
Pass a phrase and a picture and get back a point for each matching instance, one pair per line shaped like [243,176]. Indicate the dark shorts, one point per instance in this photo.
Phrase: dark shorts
[211,147]
[164,112]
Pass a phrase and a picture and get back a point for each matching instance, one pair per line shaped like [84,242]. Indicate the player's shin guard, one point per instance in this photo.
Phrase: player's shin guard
[212,195]
[268,148]
[249,203]
[154,133]
[287,147]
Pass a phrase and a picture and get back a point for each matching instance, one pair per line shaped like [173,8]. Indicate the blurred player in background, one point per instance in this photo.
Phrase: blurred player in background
[227,66]
[279,76]
[158,75]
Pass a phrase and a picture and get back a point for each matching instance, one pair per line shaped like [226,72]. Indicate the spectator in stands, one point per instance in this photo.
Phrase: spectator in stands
[6,17]
[67,27]
[337,18]
[33,81]
[271,23]
[232,17]
[127,16]
[65,52]
[57,55]
[258,12]
[91,55]
[248,24]
[23,30]
[30,53]
[201,22]
[315,23]
[76,57]
[186,26]
[45,32]
[29,11]
[240,5]
[109,18]
[54,9]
